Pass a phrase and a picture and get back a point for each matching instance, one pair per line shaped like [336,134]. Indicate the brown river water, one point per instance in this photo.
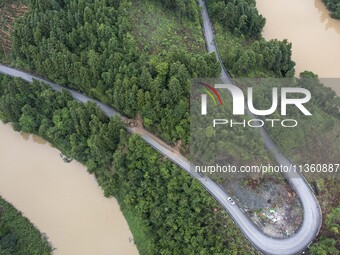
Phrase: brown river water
[65,202]
[314,34]
[61,199]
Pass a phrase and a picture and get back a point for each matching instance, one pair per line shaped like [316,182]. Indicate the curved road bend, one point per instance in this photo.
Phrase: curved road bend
[312,212]
[267,245]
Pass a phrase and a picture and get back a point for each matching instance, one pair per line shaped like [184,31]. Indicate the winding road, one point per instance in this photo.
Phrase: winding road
[312,214]
[312,219]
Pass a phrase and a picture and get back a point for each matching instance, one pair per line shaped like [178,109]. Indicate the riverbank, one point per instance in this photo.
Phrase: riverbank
[18,235]
[61,199]
[314,35]
[158,195]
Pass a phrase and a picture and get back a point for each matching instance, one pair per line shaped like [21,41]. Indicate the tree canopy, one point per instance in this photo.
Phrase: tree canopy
[334,8]
[169,212]
[18,235]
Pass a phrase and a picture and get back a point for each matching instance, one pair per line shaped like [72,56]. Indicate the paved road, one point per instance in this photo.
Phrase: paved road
[312,213]
[267,245]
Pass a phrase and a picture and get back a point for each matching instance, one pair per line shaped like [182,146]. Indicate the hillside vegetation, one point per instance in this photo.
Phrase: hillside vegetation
[89,46]
[316,140]
[244,52]
[18,235]
[9,11]
[134,56]
[168,211]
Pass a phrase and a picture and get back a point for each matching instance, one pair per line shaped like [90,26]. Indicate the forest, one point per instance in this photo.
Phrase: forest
[334,7]
[81,132]
[9,11]
[18,235]
[85,54]
[87,45]
[243,50]
[168,211]
[240,17]
[97,47]
[182,8]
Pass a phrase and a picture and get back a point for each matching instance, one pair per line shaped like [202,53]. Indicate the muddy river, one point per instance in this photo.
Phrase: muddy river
[314,34]
[61,199]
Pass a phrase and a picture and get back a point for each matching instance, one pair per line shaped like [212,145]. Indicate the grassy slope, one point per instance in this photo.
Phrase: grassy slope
[9,11]
[156,28]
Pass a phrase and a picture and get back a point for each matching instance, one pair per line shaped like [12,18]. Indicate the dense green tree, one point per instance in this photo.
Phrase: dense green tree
[168,199]
[87,45]
[334,8]
[173,212]
[240,17]
[18,235]
[184,8]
